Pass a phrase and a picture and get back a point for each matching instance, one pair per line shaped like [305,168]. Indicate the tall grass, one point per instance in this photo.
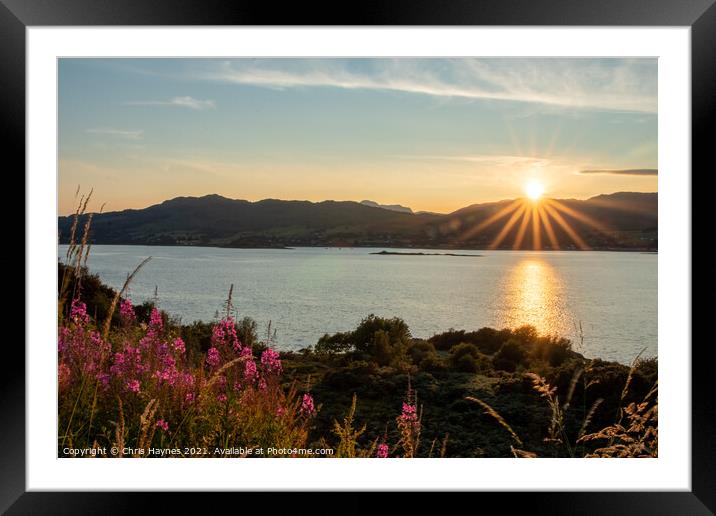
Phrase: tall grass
[638,437]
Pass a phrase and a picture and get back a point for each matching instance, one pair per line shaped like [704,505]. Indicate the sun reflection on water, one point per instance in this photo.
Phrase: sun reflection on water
[533,294]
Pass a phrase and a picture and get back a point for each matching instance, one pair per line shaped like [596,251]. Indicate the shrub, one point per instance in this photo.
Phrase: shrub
[432,363]
[489,340]
[247,332]
[333,344]
[419,350]
[511,354]
[552,350]
[446,340]
[467,358]
[364,336]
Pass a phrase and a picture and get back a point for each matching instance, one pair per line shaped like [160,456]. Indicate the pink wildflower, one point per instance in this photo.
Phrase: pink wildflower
[179,346]
[250,371]
[382,451]
[126,311]
[163,425]
[133,385]
[78,312]
[224,335]
[307,406]
[409,413]
[155,319]
[222,397]
[271,361]
[213,358]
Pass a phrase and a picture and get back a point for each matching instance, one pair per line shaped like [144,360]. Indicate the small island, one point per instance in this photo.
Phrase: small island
[397,253]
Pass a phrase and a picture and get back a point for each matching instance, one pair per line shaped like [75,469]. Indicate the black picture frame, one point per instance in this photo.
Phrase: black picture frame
[17,15]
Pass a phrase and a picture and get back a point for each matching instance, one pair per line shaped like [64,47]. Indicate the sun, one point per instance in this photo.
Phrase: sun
[534,190]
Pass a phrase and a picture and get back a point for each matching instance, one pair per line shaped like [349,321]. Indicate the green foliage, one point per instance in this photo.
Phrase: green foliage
[510,356]
[334,344]
[467,358]
[247,332]
[365,335]
[95,294]
[433,364]
[419,350]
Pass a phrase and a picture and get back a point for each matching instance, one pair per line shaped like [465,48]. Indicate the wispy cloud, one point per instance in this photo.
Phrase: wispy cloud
[624,172]
[119,133]
[502,160]
[184,102]
[608,84]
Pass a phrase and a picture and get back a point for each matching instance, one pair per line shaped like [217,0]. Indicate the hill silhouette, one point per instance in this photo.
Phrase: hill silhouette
[626,220]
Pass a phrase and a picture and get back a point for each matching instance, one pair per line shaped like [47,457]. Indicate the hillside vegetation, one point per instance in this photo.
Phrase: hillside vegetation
[629,220]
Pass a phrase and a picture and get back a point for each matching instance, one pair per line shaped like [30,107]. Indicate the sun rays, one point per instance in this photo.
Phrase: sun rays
[541,219]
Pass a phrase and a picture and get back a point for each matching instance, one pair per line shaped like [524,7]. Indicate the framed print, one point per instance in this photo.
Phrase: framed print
[436,250]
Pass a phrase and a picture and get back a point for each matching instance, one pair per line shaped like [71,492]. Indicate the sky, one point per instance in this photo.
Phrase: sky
[434,134]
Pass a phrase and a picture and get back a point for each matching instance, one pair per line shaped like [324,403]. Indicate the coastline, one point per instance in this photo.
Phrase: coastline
[644,250]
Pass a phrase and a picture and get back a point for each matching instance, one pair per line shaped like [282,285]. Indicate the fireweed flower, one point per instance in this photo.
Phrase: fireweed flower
[271,362]
[307,406]
[409,413]
[179,346]
[222,397]
[126,311]
[163,425]
[382,451]
[155,319]
[223,335]
[251,374]
[133,386]
[213,358]
[78,312]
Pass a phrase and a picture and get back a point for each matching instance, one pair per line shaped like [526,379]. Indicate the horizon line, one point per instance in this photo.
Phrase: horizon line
[413,212]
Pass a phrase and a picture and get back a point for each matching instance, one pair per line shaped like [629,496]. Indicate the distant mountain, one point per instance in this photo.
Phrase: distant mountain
[392,207]
[620,220]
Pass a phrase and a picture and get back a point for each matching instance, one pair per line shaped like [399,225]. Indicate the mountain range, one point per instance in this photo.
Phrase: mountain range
[623,220]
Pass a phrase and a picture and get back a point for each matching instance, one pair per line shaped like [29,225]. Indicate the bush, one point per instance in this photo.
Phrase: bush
[432,363]
[246,331]
[333,344]
[511,354]
[467,358]
[446,340]
[364,336]
[419,350]
[552,350]
[489,340]
[466,364]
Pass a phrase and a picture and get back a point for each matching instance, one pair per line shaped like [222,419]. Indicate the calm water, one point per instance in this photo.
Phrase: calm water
[307,292]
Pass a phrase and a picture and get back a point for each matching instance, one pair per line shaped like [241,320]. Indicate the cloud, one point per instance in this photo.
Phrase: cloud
[185,102]
[490,159]
[624,172]
[119,133]
[601,84]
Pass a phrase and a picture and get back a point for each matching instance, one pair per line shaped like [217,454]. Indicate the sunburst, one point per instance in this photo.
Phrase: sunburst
[535,214]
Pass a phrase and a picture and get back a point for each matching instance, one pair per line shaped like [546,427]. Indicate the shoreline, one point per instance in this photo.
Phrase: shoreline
[642,250]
